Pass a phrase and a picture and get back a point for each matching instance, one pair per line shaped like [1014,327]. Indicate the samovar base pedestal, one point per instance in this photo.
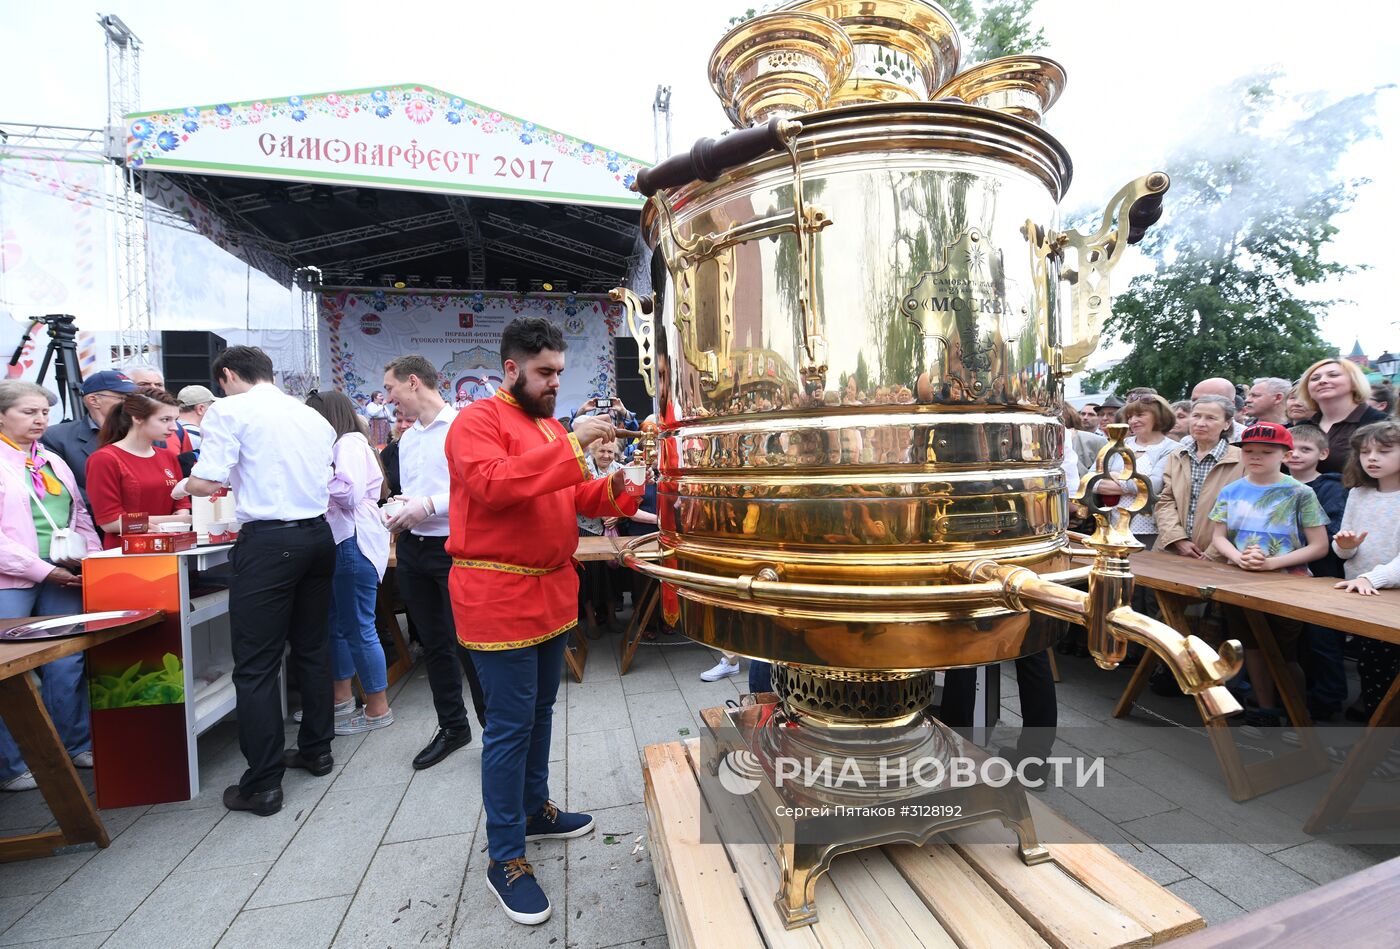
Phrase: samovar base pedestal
[813,818]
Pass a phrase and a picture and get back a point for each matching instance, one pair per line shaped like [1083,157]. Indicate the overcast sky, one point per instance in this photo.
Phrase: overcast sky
[1138,73]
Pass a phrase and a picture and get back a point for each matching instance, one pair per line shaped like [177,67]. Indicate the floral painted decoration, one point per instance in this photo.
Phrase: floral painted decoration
[150,134]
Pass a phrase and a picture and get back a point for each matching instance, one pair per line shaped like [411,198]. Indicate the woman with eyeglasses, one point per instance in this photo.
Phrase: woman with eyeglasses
[37,494]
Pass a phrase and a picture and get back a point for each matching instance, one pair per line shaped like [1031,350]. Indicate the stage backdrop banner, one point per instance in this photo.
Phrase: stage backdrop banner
[460,333]
[406,137]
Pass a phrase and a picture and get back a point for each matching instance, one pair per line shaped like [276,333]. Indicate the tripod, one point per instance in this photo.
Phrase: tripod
[63,335]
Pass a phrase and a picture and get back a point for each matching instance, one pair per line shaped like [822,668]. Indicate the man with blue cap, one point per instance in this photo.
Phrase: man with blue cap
[75,440]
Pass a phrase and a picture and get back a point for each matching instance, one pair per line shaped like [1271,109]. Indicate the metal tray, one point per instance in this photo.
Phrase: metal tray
[58,627]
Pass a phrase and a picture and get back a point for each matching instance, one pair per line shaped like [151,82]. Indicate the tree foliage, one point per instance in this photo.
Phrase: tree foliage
[993,28]
[1249,215]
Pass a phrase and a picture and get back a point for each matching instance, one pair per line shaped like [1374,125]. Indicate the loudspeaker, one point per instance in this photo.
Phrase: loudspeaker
[188,359]
[630,387]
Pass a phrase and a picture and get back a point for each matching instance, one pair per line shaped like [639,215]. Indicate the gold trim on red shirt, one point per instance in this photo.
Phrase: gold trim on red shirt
[504,567]
[519,643]
[578,455]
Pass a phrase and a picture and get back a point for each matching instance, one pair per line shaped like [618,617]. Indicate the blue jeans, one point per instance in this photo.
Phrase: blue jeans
[355,646]
[63,685]
[520,686]
[760,676]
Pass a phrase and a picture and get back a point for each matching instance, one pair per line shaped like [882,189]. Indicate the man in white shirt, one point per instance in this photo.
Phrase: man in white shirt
[424,566]
[276,454]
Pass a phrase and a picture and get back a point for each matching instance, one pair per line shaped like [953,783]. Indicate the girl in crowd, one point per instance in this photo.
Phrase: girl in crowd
[129,473]
[1194,474]
[362,555]
[38,492]
[1369,543]
[1335,390]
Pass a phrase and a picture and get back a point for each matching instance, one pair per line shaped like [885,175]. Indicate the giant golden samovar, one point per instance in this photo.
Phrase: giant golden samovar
[863,308]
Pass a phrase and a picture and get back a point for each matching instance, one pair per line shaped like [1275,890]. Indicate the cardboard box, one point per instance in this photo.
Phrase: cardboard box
[159,543]
[136,523]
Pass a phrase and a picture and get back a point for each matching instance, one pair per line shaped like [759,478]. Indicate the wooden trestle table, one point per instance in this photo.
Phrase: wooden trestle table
[33,730]
[1251,599]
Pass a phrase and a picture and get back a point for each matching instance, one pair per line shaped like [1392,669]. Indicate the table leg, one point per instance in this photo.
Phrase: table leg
[1246,781]
[1335,807]
[58,781]
[641,616]
[576,652]
[1054,666]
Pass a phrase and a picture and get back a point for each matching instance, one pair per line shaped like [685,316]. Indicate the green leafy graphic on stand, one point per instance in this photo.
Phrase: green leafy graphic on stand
[164,686]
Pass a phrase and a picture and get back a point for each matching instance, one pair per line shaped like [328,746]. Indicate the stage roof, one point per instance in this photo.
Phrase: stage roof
[394,183]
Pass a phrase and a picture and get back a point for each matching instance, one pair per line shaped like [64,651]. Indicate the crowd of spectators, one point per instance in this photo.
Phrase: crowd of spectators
[1295,477]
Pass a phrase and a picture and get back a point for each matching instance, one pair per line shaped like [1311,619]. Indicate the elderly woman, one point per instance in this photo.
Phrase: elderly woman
[1335,391]
[39,495]
[1295,408]
[1149,419]
[1194,474]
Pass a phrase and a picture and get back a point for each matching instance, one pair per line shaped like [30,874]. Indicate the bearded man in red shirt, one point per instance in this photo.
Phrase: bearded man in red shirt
[518,478]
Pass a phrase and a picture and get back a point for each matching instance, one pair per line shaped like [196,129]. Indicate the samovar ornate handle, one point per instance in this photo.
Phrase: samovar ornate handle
[1125,221]
[641,323]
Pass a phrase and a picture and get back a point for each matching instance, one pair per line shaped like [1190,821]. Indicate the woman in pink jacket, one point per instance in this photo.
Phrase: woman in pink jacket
[37,489]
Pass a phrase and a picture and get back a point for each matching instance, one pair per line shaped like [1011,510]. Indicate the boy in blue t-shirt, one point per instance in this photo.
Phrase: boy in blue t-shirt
[1268,521]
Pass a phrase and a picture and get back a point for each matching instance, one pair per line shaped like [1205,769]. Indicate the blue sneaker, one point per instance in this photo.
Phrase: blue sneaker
[515,886]
[553,824]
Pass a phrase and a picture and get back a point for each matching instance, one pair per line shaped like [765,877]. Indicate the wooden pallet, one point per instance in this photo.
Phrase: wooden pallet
[969,890]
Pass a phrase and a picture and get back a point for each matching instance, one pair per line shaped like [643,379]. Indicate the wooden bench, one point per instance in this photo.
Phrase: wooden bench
[968,888]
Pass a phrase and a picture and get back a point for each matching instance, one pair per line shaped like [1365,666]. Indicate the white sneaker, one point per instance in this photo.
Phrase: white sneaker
[361,722]
[342,710]
[20,782]
[720,670]
[82,759]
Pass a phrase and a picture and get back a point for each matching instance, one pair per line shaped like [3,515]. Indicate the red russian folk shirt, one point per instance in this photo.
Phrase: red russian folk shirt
[516,483]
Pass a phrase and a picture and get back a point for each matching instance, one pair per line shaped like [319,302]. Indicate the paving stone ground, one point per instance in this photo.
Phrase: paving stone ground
[376,854]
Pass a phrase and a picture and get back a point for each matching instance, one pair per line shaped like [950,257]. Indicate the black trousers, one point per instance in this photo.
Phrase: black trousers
[279,596]
[423,569]
[1036,684]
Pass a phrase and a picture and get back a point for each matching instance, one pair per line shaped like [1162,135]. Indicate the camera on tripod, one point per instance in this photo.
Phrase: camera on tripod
[63,337]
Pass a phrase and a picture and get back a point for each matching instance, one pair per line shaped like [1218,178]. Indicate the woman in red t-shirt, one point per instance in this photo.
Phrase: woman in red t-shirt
[129,473]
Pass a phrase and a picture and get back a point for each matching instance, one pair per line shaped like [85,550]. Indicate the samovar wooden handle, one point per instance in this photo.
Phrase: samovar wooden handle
[711,157]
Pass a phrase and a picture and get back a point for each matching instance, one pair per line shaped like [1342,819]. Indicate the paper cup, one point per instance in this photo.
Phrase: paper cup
[634,479]
[391,510]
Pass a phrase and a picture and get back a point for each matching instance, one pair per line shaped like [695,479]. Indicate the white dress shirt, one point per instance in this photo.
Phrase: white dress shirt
[272,450]
[354,493]
[423,468]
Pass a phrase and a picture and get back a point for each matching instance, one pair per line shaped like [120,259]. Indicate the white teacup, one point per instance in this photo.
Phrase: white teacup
[634,479]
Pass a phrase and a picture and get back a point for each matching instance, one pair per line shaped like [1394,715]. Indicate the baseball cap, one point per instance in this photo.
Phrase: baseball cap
[108,380]
[1266,433]
[190,396]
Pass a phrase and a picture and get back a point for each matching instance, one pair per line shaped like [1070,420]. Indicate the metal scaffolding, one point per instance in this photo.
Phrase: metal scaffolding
[133,294]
